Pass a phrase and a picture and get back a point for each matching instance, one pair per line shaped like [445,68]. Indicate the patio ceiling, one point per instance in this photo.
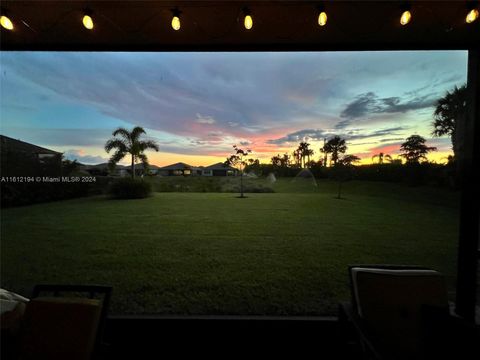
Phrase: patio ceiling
[218,25]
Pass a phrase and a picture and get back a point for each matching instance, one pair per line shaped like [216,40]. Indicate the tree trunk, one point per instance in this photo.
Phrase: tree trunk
[133,167]
[241,183]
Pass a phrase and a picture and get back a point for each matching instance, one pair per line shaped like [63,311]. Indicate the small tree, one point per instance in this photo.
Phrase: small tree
[253,166]
[414,149]
[343,171]
[277,160]
[239,158]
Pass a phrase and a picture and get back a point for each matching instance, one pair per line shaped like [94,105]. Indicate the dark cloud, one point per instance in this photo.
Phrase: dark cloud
[391,101]
[366,143]
[391,139]
[350,135]
[343,124]
[360,134]
[297,136]
[369,103]
[362,105]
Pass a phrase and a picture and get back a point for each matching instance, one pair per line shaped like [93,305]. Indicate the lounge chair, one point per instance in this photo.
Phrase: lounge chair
[402,312]
[59,327]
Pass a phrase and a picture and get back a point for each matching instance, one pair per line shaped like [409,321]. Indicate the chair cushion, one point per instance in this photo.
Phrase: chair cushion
[59,328]
[374,287]
[392,301]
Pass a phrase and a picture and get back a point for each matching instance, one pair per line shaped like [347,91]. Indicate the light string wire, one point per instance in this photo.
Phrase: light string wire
[303,28]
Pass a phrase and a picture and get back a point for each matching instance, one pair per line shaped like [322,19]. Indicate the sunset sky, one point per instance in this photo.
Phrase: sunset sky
[197,105]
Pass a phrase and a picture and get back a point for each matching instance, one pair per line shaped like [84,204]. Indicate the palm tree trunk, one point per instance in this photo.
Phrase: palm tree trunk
[133,167]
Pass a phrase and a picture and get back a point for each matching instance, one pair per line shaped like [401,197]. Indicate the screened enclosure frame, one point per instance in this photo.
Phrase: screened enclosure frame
[468,254]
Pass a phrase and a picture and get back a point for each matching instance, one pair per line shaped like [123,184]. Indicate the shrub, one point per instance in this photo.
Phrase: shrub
[128,188]
[23,193]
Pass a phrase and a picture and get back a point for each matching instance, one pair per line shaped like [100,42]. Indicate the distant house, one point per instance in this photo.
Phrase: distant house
[96,170]
[179,169]
[219,169]
[104,170]
[139,170]
[182,169]
[22,158]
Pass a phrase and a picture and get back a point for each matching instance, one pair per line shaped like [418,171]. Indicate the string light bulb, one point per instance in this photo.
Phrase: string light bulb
[322,18]
[176,20]
[472,16]
[248,20]
[87,20]
[322,15]
[406,16]
[6,22]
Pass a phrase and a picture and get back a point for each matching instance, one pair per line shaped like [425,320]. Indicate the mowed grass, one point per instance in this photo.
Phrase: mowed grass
[283,253]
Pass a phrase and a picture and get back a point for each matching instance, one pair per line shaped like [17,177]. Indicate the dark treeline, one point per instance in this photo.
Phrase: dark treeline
[411,166]
[412,174]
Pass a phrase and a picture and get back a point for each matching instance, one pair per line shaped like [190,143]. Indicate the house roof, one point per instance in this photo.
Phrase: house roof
[7,143]
[140,166]
[177,166]
[219,166]
[103,166]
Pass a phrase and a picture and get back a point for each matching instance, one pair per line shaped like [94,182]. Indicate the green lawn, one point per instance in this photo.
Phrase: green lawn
[212,253]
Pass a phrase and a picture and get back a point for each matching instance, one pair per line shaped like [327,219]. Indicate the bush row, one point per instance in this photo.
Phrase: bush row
[26,193]
[208,184]
[414,174]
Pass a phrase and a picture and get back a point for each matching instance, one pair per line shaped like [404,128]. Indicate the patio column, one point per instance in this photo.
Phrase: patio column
[468,243]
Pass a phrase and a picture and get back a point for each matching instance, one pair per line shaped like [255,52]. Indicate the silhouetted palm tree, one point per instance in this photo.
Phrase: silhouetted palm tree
[128,142]
[414,149]
[297,156]
[335,146]
[381,156]
[325,153]
[308,153]
[348,160]
[304,152]
[449,116]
